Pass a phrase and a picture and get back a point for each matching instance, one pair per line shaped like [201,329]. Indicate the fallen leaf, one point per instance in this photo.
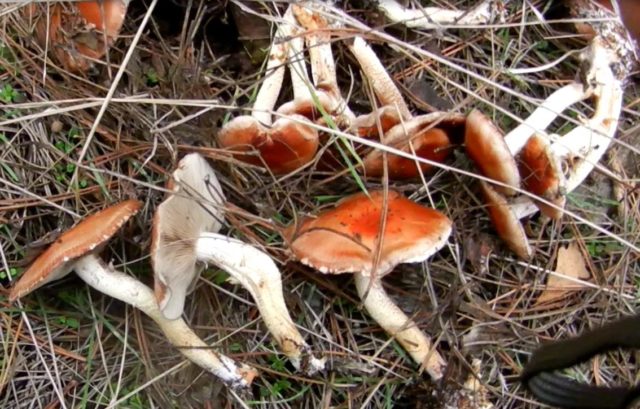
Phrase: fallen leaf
[570,263]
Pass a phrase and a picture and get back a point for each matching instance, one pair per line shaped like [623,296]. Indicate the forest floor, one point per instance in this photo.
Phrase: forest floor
[196,63]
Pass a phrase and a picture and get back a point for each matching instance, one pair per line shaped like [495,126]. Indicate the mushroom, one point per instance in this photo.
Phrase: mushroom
[429,18]
[349,238]
[541,174]
[325,97]
[485,145]
[431,138]
[184,233]
[606,62]
[428,136]
[77,250]
[285,145]
[78,33]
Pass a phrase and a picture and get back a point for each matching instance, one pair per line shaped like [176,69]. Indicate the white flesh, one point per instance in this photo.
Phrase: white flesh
[378,77]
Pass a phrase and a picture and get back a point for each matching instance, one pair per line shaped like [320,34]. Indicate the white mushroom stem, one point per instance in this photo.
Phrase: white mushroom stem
[583,147]
[298,67]
[129,290]
[274,74]
[430,18]
[390,317]
[380,80]
[545,114]
[257,273]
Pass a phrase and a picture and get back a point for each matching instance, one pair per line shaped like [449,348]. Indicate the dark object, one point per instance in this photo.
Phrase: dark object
[555,389]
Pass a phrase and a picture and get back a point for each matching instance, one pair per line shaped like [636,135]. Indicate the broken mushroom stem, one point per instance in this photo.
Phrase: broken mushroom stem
[259,275]
[397,324]
[431,18]
[118,285]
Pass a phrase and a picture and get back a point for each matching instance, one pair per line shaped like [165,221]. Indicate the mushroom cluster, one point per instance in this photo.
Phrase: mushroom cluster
[367,234]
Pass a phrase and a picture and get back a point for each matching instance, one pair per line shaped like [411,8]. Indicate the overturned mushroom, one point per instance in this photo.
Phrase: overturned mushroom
[347,239]
[78,33]
[184,233]
[76,250]
[285,145]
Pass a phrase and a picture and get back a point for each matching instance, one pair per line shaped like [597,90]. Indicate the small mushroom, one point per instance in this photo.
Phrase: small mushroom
[78,33]
[348,238]
[184,234]
[541,174]
[77,250]
[285,145]
[430,18]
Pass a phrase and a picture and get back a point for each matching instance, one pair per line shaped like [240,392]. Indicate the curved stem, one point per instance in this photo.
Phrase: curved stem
[131,291]
[298,68]
[390,317]
[545,114]
[257,273]
[274,74]
[584,146]
[380,80]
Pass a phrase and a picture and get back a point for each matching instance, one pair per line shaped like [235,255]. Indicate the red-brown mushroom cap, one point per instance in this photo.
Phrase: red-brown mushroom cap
[107,15]
[541,173]
[505,222]
[84,238]
[366,126]
[288,145]
[486,146]
[344,239]
[431,136]
[74,32]
[432,144]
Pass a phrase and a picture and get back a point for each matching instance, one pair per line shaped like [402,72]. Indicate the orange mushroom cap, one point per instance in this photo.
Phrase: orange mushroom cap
[431,135]
[84,238]
[106,15]
[345,238]
[541,174]
[505,222]
[288,145]
[366,126]
[73,32]
[432,144]
[486,146]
